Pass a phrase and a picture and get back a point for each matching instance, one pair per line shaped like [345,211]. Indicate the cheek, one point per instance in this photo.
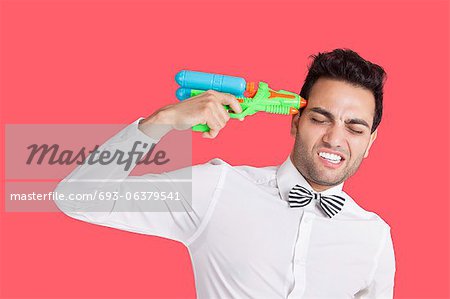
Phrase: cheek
[308,137]
[305,127]
[358,148]
[310,132]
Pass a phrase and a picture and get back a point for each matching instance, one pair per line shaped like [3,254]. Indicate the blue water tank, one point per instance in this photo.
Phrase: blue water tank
[205,81]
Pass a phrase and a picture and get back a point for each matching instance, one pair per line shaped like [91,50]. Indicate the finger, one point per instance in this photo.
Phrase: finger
[206,135]
[214,127]
[217,114]
[211,134]
[231,100]
[222,114]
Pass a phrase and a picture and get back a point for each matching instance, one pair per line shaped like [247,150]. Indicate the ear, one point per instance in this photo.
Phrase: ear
[294,124]
[373,136]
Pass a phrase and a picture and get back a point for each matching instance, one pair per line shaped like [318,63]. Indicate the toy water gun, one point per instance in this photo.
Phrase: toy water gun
[251,97]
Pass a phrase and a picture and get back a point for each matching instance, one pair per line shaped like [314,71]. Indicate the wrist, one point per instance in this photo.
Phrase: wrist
[156,125]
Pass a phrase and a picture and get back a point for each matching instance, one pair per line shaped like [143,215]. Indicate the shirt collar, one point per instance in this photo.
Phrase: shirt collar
[288,176]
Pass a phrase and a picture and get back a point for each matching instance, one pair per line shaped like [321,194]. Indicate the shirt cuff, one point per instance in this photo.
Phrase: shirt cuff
[132,133]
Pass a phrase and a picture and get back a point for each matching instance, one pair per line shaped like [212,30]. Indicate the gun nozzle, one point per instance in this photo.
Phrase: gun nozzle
[303,102]
[293,111]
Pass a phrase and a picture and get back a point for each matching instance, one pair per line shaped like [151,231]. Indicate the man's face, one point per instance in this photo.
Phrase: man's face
[332,134]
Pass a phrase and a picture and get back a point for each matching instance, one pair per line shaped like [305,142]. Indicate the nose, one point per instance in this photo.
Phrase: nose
[334,136]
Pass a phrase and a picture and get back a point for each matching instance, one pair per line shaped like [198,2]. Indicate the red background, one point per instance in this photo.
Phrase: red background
[113,61]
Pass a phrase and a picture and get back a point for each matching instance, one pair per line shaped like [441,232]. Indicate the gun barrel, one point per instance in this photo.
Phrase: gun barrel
[205,81]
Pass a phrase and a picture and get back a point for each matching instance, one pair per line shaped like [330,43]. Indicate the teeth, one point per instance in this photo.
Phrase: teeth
[331,157]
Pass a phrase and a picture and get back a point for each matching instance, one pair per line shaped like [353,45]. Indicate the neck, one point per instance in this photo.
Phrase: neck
[317,187]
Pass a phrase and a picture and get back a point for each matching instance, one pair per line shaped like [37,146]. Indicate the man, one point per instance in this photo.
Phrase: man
[273,232]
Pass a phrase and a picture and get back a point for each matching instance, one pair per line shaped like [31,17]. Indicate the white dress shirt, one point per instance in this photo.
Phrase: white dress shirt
[243,238]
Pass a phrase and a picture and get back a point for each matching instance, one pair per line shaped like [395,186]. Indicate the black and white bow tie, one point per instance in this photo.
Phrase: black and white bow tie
[299,196]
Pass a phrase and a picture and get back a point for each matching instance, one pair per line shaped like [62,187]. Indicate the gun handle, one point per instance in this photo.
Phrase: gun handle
[200,128]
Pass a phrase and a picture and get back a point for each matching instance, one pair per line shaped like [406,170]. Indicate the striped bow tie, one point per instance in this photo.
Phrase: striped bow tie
[299,196]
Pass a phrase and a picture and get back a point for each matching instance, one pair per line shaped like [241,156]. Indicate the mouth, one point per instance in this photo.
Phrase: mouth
[331,159]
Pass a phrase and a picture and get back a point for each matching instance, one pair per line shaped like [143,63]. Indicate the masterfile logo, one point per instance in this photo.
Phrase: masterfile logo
[40,160]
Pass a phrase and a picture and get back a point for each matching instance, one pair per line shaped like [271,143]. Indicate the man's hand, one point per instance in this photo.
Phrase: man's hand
[206,108]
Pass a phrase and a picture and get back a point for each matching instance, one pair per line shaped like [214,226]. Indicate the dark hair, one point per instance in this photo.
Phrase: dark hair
[348,66]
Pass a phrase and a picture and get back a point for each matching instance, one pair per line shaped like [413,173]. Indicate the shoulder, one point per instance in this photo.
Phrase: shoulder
[356,212]
[258,175]
[200,175]
[217,168]
[213,164]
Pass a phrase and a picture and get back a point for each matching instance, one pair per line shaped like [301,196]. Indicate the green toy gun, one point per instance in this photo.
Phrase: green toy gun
[251,98]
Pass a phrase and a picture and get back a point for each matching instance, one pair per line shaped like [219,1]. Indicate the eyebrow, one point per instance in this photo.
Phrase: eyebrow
[330,116]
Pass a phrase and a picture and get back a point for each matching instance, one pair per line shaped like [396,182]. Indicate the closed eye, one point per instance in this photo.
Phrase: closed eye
[356,131]
[317,121]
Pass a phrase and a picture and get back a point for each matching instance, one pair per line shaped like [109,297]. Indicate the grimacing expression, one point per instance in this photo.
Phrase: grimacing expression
[332,134]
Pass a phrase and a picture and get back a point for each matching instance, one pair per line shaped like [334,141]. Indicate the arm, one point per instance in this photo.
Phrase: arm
[382,284]
[177,220]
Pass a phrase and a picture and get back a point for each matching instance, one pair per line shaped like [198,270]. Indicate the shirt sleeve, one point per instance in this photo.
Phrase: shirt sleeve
[382,284]
[173,219]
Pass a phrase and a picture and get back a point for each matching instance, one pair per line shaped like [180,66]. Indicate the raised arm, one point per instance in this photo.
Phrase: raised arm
[125,202]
